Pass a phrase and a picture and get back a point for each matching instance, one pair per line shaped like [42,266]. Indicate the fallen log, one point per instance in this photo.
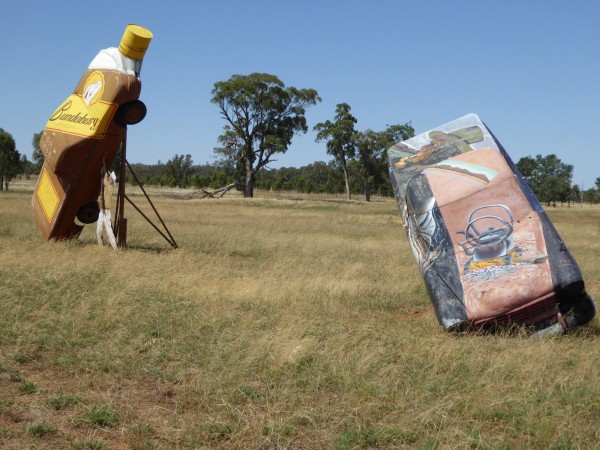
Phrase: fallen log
[205,193]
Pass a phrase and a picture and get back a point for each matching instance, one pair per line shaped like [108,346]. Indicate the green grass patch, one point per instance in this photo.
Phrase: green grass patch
[98,415]
[27,388]
[374,437]
[39,430]
[59,402]
[86,444]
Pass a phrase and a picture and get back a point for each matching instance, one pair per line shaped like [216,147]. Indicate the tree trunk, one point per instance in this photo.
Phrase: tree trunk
[249,185]
[346,181]
[249,190]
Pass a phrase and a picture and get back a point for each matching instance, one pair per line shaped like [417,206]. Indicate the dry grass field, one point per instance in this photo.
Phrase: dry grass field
[279,322]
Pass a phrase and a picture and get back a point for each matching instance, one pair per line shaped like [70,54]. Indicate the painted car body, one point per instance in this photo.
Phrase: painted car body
[82,137]
[84,134]
[488,252]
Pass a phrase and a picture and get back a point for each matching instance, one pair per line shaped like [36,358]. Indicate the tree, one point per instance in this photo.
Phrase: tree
[372,169]
[10,159]
[178,169]
[591,196]
[527,166]
[37,156]
[340,136]
[263,115]
[549,178]
[317,173]
[27,167]
[576,194]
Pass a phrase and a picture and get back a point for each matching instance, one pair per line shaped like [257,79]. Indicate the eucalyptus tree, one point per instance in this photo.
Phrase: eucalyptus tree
[549,177]
[37,156]
[371,160]
[340,137]
[262,115]
[10,159]
[178,169]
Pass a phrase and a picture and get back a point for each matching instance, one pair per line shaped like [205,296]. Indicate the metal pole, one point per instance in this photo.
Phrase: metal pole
[121,221]
[172,241]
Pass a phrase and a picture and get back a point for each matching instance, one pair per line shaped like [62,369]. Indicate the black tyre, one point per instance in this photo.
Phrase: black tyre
[131,113]
[88,213]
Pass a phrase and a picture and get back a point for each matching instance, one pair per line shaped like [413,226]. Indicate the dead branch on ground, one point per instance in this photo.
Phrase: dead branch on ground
[205,193]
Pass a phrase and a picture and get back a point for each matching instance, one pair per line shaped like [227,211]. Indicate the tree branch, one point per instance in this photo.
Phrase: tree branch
[205,193]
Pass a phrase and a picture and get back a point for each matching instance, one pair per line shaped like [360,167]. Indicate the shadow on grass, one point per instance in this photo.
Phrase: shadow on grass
[131,246]
[148,248]
[587,331]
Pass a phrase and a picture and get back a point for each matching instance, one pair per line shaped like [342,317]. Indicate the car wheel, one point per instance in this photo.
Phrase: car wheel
[88,213]
[131,113]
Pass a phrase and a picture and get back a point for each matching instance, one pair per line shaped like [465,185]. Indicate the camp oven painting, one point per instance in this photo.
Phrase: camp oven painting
[489,254]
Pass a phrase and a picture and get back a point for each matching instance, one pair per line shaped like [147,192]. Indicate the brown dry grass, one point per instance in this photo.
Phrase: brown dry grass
[280,322]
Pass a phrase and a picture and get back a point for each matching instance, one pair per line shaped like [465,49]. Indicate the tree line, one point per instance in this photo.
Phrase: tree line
[549,178]
[318,177]
[262,116]
[551,181]
[12,162]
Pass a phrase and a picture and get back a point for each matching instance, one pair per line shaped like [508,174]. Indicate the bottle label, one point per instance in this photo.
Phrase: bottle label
[47,195]
[84,115]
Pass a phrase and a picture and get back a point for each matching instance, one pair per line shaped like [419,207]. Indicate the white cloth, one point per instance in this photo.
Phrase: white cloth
[104,223]
[113,59]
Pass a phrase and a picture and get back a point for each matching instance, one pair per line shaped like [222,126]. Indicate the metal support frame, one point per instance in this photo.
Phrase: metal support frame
[120,225]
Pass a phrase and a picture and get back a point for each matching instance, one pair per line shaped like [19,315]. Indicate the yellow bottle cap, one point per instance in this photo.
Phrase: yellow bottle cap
[135,41]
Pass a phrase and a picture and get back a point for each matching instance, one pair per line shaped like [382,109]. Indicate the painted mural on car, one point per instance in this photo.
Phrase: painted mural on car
[488,252]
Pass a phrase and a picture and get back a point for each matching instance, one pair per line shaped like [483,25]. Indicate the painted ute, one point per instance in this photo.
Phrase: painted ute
[489,255]
[83,136]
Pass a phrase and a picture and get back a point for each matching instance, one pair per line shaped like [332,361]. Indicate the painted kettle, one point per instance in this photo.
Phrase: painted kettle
[488,232]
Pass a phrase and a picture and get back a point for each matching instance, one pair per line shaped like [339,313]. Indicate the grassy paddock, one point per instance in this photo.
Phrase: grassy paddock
[280,322]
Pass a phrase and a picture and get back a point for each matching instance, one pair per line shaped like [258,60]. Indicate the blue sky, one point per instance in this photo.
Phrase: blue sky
[530,69]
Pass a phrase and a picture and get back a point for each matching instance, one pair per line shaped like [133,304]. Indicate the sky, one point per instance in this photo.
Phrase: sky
[529,68]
